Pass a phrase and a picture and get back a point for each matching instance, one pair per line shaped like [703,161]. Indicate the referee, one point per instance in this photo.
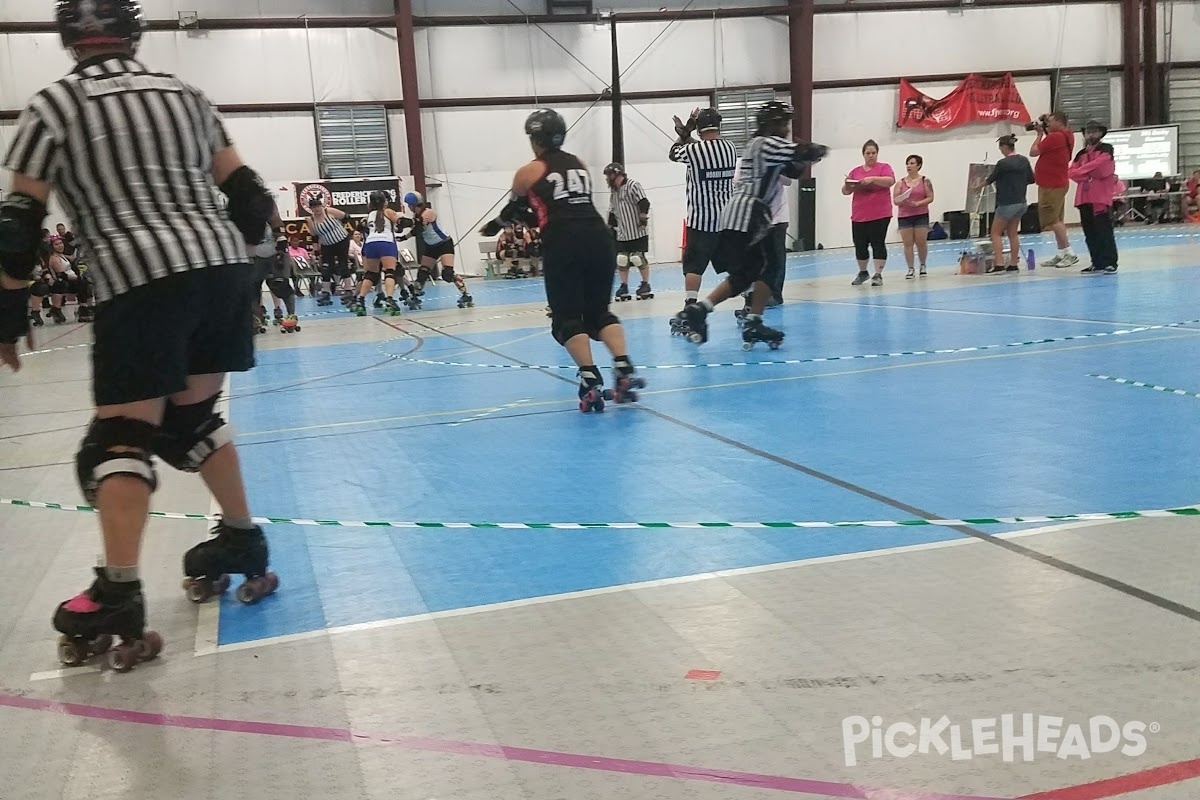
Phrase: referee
[136,157]
[628,213]
[711,163]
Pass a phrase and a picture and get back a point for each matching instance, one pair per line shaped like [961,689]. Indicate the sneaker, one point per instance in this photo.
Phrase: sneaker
[1053,262]
[861,279]
[1067,261]
[912,273]
[922,273]
[1110,270]
[1091,270]
[877,279]
[1012,268]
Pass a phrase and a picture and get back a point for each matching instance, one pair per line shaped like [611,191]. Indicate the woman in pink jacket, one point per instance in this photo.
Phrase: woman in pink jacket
[1096,173]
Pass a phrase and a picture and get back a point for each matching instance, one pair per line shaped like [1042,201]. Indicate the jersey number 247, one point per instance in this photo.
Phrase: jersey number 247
[577,186]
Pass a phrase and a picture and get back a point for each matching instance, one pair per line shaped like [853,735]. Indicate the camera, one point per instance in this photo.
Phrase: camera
[1041,123]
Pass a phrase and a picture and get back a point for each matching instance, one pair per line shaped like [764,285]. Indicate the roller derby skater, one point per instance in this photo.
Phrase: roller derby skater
[380,254]
[623,294]
[746,220]
[259,318]
[328,226]
[436,247]
[554,194]
[158,364]
[264,267]
[711,163]
[628,216]
[281,283]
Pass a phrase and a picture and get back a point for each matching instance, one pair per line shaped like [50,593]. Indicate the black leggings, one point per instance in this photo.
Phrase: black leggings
[335,260]
[1098,231]
[873,236]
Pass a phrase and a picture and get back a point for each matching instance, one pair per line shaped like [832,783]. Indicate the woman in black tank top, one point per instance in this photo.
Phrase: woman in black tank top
[554,193]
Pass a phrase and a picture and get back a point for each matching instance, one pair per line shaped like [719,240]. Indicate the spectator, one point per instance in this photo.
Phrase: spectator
[870,212]
[1011,176]
[1156,201]
[1096,173]
[355,251]
[1191,200]
[68,239]
[45,248]
[913,195]
[1053,147]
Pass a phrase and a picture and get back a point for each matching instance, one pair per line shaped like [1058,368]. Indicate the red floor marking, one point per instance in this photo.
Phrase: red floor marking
[703,674]
[1125,784]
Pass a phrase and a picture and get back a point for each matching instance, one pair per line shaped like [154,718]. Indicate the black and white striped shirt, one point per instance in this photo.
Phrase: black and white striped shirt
[624,206]
[710,167]
[329,231]
[130,153]
[760,167]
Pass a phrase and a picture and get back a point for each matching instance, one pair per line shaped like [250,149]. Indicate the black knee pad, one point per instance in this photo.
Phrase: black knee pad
[593,325]
[281,288]
[39,289]
[566,328]
[371,278]
[83,292]
[389,274]
[115,446]
[191,434]
[424,275]
[739,281]
[448,274]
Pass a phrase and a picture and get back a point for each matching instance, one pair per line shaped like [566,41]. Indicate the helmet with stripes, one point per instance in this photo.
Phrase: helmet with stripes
[708,119]
[99,22]
[546,128]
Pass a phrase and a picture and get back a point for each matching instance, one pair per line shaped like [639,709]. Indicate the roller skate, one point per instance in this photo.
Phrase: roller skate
[325,299]
[740,315]
[755,331]
[679,324]
[349,299]
[466,301]
[393,308]
[289,325]
[412,301]
[89,622]
[695,317]
[278,316]
[626,382]
[85,314]
[644,292]
[623,293]
[209,564]
[358,307]
[35,318]
[379,300]
[591,390]
[57,315]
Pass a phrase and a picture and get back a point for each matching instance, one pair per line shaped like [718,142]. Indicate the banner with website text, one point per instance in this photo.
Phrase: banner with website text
[979,99]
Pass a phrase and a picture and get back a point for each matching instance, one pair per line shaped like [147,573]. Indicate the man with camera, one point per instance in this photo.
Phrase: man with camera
[1052,147]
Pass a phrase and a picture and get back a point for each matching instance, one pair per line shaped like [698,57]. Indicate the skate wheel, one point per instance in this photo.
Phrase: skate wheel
[747,345]
[197,590]
[150,646]
[101,644]
[774,345]
[608,395]
[71,652]
[124,657]
[695,338]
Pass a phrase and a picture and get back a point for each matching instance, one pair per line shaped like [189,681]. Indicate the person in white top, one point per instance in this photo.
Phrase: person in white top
[379,254]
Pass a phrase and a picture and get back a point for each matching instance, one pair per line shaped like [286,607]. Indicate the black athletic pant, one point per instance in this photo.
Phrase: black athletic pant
[870,236]
[335,260]
[1098,231]
[776,247]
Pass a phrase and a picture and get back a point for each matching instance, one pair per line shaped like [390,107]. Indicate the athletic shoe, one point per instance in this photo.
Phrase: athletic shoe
[877,279]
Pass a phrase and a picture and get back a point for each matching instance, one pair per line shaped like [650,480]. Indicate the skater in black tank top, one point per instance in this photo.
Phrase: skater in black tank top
[554,193]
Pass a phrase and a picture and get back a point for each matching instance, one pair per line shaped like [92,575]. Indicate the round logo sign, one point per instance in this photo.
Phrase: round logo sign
[314,190]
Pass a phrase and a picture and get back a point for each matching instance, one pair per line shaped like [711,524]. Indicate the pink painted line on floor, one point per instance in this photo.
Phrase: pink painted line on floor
[527,755]
[1125,784]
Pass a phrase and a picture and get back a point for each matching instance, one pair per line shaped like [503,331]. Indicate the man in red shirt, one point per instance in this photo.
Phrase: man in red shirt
[1053,146]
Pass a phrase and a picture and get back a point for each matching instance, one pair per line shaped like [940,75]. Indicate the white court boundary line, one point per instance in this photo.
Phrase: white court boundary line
[703,576]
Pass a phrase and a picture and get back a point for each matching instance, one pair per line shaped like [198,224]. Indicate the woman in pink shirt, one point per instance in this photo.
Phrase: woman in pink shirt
[913,195]
[870,211]
[1096,173]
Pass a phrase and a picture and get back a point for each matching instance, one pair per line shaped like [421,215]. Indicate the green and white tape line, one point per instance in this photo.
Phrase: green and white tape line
[1187,511]
[55,349]
[822,360]
[1163,389]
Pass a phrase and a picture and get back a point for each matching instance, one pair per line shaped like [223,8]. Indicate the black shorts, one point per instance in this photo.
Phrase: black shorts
[701,247]
[335,258]
[263,267]
[436,251]
[579,264]
[918,221]
[151,338]
[641,245]
[745,262]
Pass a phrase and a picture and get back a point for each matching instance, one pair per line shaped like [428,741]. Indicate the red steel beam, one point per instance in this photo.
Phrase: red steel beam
[1131,62]
[410,92]
[800,51]
[1151,76]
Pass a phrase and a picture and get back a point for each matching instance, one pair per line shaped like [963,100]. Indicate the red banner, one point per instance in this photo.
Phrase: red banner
[978,99]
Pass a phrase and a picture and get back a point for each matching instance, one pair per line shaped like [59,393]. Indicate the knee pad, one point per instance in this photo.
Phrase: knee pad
[739,282]
[566,328]
[593,325]
[83,292]
[115,446]
[448,274]
[191,434]
[637,260]
[39,289]
[371,278]
[622,260]
[424,275]
[281,288]
[389,274]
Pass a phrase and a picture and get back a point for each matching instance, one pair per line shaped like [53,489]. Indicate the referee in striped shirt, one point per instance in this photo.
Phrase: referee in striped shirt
[136,157]
[628,214]
[746,221]
[711,163]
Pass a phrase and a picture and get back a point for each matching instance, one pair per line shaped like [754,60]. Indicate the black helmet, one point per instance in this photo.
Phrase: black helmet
[98,22]
[709,119]
[1096,125]
[546,128]
[315,201]
[773,111]
[614,168]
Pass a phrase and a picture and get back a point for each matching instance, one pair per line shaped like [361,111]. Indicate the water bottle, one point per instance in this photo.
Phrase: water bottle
[1030,260]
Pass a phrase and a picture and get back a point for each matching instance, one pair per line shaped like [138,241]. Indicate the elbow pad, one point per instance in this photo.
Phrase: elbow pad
[21,218]
[251,206]
[809,153]
[516,210]
[644,206]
